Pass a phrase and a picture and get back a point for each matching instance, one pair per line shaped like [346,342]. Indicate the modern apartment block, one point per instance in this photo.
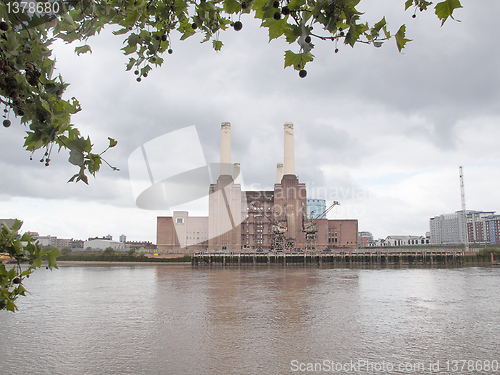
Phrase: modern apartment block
[482,227]
[493,228]
[365,239]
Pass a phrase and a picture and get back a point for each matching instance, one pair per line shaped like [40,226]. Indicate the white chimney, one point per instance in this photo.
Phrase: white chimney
[237,179]
[279,173]
[225,149]
[289,160]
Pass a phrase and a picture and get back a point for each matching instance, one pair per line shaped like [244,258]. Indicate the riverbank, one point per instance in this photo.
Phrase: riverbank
[123,258]
[116,263]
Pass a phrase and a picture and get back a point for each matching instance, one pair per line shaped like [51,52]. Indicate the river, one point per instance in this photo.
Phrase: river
[175,319]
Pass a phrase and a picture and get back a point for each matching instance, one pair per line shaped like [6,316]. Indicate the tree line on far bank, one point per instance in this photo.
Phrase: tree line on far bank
[110,254]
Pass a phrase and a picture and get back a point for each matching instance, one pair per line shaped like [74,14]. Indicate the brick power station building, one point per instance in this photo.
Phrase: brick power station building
[267,220]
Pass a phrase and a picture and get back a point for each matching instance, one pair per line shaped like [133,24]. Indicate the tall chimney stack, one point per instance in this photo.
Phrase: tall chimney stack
[279,173]
[289,160]
[237,178]
[225,149]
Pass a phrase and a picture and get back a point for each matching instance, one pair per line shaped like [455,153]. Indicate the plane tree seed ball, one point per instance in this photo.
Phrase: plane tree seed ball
[6,123]
[302,73]
[277,15]
[238,26]
[308,39]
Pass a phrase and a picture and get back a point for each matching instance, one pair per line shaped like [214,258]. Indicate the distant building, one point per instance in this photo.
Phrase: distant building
[76,244]
[63,242]
[365,239]
[315,207]
[278,219]
[102,244]
[493,229]
[181,230]
[56,242]
[406,241]
[123,238]
[477,226]
[47,240]
[448,228]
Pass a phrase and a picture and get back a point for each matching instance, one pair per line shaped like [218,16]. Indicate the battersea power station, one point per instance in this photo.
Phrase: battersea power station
[246,221]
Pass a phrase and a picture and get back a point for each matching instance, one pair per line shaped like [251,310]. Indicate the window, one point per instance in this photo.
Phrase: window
[179,220]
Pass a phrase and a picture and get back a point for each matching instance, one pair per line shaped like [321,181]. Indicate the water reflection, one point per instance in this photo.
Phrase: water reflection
[160,319]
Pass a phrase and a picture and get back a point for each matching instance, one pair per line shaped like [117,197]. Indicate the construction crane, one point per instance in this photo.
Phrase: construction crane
[310,228]
[323,214]
[464,212]
[279,242]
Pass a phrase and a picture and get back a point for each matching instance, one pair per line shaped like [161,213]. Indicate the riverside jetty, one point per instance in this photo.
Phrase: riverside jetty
[393,256]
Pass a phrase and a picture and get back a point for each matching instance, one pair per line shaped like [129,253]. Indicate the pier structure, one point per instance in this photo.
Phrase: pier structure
[343,258]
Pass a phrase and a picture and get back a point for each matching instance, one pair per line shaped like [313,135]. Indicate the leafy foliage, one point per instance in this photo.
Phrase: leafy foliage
[21,248]
[149,27]
[109,251]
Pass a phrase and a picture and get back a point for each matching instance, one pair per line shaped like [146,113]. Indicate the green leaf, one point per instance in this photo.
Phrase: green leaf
[129,49]
[145,70]
[131,63]
[297,60]
[387,33]
[131,19]
[67,23]
[112,142]
[83,49]
[51,257]
[73,178]
[17,225]
[354,32]
[296,4]
[11,306]
[217,44]
[400,38]
[232,6]
[276,27]
[186,29]
[76,157]
[376,28]
[121,31]
[445,9]
[79,177]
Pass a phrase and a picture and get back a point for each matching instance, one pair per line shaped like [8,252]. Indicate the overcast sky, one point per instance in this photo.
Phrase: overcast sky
[382,132]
